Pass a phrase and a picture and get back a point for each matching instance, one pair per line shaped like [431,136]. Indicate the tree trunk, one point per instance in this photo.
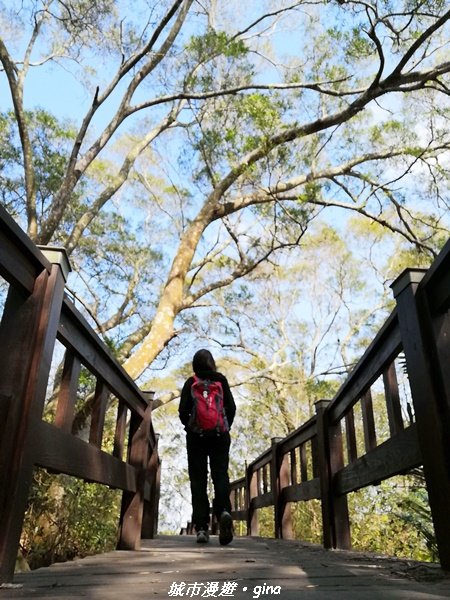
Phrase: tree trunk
[172,295]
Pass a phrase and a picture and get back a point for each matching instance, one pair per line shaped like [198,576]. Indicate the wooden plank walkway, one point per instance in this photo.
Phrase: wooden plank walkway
[175,566]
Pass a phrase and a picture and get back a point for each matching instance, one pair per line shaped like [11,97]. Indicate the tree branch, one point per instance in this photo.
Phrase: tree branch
[15,82]
[415,46]
[117,181]
[77,166]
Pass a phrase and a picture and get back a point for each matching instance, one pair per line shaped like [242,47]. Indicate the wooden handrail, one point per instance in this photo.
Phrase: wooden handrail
[37,313]
[419,433]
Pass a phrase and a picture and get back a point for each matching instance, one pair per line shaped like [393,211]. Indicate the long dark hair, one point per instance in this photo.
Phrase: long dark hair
[203,361]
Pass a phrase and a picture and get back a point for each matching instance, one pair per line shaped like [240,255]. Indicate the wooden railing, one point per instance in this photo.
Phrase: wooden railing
[325,459]
[36,313]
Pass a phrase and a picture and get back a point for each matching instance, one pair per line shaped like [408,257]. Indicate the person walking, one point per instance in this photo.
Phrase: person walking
[207,411]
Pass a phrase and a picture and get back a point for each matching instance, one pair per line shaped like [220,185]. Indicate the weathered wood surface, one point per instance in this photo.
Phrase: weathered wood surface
[243,570]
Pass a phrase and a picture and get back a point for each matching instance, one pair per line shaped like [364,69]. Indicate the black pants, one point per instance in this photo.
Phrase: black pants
[200,448]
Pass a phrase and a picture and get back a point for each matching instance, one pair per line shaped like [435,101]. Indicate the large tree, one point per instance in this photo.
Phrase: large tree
[239,130]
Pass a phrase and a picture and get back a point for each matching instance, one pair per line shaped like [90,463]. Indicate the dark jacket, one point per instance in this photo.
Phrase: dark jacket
[186,402]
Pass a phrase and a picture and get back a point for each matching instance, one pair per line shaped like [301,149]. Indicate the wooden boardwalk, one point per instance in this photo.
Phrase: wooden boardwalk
[175,566]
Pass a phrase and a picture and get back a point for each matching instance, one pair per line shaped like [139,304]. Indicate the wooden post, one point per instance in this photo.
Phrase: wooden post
[151,507]
[252,492]
[285,512]
[150,516]
[133,502]
[279,479]
[27,338]
[152,484]
[341,519]
[425,347]
[324,475]
[157,491]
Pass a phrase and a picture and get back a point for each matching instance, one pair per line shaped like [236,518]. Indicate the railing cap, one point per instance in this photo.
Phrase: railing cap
[321,404]
[148,395]
[406,278]
[57,256]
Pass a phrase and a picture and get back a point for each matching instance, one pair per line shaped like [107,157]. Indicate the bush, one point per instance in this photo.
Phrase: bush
[68,518]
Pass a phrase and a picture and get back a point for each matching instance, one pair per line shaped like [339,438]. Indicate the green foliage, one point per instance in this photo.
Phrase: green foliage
[307,521]
[321,389]
[78,23]
[354,42]
[112,250]
[266,523]
[433,6]
[51,141]
[310,192]
[414,512]
[263,110]
[388,129]
[221,57]
[67,518]
[79,15]
[214,43]
[10,157]
[393,519]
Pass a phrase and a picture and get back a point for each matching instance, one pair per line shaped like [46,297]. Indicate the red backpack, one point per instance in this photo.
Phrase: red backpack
[208,412]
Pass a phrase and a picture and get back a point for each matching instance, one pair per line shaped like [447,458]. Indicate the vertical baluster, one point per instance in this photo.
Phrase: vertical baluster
[253,487]
[303,463]
[150,516]
[67,395]
[314,457]
[133,501]
[284,519]
[393,407]
[339,505]
[350,433]
[98,414]
[370,437]
[119,434]
[265,481]
[294,478]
